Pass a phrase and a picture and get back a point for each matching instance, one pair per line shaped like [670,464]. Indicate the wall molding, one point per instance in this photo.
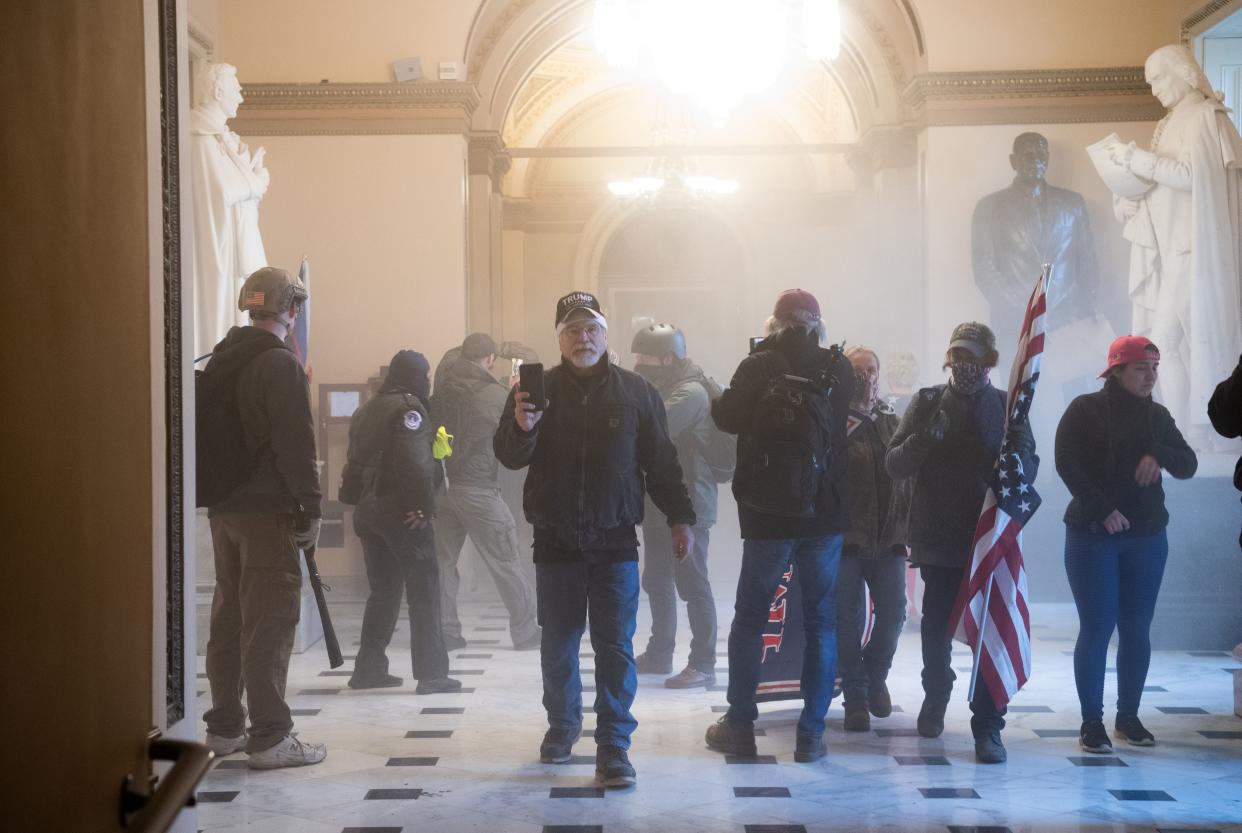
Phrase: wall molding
[439,107]
[1097,94]
[1211,13]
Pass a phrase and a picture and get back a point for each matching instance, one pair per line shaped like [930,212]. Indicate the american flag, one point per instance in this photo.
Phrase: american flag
[991,613]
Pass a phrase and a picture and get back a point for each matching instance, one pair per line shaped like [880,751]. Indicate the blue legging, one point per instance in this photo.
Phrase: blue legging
[1115,580]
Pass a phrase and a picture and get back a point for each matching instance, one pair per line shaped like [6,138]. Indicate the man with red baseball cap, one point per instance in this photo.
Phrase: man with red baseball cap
[1127,349]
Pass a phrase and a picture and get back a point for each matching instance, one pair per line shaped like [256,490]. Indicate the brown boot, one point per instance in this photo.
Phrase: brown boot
[857,717]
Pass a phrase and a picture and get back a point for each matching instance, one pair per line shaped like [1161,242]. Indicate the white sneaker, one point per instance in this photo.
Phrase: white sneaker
[223,746]
[288,751]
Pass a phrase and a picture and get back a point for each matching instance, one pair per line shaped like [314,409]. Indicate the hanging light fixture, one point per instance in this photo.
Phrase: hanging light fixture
[716,52]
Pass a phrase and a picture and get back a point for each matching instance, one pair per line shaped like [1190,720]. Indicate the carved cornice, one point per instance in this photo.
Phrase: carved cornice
[1192,21]
[356,109]
[487,157]
[1032,97]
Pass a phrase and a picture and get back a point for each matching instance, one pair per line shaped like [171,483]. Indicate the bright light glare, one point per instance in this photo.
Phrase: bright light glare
[821,29]
[711,185]
[637,186]
[716,52]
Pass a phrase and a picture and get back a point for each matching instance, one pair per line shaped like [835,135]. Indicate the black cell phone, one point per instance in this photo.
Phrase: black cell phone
[530,380]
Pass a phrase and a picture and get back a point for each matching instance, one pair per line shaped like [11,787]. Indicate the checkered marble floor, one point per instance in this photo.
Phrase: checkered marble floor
[468,761]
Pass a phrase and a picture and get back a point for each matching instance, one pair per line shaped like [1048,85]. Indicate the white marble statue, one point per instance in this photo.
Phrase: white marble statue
[229,181]
[1185,232]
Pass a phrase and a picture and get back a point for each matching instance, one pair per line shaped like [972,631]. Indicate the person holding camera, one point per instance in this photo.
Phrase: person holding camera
[788,403]
[595,439]
[948,443]
[1111,446]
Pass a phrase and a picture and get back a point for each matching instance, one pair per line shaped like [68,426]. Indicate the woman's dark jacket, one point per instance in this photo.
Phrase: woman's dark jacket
[951,476]
[601,444]
[878,506]
[1100,440]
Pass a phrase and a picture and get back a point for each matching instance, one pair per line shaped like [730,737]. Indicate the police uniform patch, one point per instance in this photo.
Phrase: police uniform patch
[412,420]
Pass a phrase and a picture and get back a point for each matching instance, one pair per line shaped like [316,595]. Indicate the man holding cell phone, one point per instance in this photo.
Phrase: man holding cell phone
[596,440]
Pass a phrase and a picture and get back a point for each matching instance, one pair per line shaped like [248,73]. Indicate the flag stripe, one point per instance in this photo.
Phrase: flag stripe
[991,613]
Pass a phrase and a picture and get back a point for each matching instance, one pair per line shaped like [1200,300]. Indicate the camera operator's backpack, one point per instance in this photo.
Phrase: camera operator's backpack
[784,457]
[222,458]
[719,449]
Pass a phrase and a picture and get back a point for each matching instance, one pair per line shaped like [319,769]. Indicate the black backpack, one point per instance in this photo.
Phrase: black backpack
[223,460]
[719,449]
[785,455]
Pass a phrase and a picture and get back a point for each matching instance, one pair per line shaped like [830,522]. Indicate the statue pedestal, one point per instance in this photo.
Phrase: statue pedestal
[309,629]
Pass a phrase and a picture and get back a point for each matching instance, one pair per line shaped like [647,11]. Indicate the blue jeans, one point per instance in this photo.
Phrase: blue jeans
[1115,580]
[885,576]
[763,563]
[567,592]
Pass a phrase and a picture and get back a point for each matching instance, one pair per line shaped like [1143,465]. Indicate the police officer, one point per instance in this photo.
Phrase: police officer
[660,358]
[258,529]
[390,455]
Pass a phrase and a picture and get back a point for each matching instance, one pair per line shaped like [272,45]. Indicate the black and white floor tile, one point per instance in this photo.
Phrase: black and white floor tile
[453,763]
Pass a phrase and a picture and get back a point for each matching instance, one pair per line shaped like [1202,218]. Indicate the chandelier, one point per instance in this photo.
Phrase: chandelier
[716,52]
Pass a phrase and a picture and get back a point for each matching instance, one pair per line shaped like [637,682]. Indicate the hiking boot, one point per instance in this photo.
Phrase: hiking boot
[990,750]
[454,643]
[1129,729]
[731,739]
[648,664]
[383,681]
[879,700]
[613,768]
[558,745]
[439,685]
[857,717]
[288,751]
[530,643]
[1093,738]
[809,748]
[931,719]
[691,678]
[223,746]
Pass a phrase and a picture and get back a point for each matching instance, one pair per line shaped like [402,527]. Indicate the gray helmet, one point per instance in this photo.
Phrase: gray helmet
[270,290]
[660,340]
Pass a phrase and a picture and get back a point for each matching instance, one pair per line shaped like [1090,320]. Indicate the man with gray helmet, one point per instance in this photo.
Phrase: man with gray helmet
[258,530]
[660,357]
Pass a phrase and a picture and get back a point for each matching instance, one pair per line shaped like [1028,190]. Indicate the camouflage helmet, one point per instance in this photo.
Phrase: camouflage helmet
[270,290]
[660,340]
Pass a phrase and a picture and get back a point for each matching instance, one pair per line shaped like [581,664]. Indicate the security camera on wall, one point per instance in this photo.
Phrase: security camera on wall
[411,69]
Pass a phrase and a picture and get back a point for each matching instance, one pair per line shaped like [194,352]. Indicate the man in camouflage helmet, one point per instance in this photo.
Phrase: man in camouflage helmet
[258,530]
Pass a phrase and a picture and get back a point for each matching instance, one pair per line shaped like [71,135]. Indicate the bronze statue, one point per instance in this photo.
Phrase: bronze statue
[1018,229]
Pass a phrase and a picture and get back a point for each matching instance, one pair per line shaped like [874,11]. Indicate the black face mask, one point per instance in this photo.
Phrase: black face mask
[658,375]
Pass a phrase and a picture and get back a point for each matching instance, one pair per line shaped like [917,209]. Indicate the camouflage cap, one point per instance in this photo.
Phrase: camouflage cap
[975,337]
[270,290]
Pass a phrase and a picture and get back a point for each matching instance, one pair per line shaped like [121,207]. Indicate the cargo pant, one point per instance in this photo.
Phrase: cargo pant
[479,511]
[254,615]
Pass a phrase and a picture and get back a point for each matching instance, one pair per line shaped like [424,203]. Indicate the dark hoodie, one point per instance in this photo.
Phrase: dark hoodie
[794,351]
[390,441]
[274,399]
[1100,440]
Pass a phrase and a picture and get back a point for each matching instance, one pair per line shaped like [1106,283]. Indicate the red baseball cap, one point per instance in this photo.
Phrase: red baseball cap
[792,301]
[1126,349]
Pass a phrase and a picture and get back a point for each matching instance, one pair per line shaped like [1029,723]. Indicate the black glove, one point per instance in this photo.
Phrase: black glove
[1020,441]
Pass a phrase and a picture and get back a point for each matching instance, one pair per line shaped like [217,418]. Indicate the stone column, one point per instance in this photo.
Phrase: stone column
[488,164]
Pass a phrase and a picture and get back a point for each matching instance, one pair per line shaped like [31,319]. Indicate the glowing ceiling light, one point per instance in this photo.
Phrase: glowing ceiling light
[716,52]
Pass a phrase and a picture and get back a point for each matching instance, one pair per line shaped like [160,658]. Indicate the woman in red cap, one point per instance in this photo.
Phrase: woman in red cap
[1110,448]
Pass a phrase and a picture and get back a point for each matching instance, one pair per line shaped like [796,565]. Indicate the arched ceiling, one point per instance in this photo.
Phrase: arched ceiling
[543,86]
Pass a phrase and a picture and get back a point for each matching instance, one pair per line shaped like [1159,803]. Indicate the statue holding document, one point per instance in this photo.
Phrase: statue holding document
[1180,205]
[229,181]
